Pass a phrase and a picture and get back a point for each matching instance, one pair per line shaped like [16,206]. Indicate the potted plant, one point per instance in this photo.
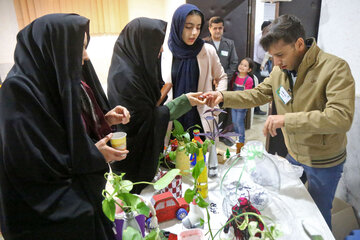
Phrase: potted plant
[214,133]
[182,147]
[117,195]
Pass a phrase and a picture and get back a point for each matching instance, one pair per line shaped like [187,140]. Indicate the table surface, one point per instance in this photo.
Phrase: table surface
[291,207]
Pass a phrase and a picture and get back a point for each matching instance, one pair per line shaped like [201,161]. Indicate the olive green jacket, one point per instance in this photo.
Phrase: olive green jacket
[320,111]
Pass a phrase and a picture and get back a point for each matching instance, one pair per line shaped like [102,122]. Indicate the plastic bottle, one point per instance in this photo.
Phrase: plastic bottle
[202,182]
[196,136]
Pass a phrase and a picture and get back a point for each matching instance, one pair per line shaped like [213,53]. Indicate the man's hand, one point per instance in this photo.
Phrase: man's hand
[110,154]
[117,115]
[196,98]
[213,98]
[272,123]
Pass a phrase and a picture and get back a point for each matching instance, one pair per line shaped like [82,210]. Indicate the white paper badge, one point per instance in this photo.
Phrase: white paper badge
[224,53]
[283,94]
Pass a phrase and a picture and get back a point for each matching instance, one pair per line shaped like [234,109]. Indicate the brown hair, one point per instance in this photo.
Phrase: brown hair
[286,27]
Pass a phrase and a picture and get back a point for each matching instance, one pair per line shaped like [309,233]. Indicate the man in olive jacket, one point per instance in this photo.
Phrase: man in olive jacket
[314,93]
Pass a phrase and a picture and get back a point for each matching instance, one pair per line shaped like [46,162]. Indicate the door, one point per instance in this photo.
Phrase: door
[235,15]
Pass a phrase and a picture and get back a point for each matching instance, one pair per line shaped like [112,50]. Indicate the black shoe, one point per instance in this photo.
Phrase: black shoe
[226,141]
[260,112]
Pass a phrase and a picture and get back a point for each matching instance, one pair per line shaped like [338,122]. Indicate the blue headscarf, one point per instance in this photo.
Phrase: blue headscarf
[185,81]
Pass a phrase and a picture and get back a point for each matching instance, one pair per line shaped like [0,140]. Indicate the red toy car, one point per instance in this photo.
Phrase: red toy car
[168,207]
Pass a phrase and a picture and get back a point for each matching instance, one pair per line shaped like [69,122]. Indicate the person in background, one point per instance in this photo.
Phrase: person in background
[135,82]
[240,81]
[54,126]
[314,94]
[225,49]
[189,63]
[259,55]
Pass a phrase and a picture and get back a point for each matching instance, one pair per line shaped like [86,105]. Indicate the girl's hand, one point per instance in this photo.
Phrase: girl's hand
[110,154]
[117,115]
[196,98]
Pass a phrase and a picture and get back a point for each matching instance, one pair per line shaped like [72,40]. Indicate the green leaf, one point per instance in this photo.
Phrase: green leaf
[131,233]
[180,148]
[253,228]
[166,179]
[199,167]
[172,155]
[178,129]
[189,195]
[201,202]
[206,144]
[108,207]
[142,208]
[245,223]
[126,186]
[202,222]
[129,199]
[316,237]
[151,236]
[186,137]
[191,148]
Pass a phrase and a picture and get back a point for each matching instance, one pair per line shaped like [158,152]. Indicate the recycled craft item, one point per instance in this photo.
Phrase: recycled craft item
[129,220]
[193,219]
[252,174]
[175,187]
[243,206]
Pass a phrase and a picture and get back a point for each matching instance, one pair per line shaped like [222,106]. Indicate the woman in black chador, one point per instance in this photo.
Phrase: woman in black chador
[134,82]
[54,126]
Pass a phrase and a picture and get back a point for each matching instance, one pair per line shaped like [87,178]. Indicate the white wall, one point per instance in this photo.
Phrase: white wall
[259,16]
[8,31]
[339,32]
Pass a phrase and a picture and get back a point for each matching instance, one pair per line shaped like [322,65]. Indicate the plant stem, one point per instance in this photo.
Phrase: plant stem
[208,217]
[120,206]
[242,171]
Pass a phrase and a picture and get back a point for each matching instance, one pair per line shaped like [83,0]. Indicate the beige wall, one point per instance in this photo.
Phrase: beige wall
[100,47]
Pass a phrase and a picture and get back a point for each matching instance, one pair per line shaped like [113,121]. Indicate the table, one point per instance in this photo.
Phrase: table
[292,206]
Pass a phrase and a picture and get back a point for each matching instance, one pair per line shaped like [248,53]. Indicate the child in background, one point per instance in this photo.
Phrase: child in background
[241,80]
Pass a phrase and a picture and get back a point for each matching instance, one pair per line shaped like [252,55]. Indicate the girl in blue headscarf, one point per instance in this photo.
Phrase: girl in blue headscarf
[189,63]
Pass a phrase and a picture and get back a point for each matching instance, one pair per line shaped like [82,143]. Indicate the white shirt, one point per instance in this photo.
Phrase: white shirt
[217,44]
[259,52]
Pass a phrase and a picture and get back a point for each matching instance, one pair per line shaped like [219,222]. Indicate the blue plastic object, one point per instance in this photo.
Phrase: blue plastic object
[181,213]
[354,235]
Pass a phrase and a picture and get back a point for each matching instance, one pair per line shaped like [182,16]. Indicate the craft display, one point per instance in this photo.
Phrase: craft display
[175,187]
[168,207]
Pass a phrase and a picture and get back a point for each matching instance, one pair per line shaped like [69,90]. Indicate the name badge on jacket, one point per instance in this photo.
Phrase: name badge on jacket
[224,53]
[283,94]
